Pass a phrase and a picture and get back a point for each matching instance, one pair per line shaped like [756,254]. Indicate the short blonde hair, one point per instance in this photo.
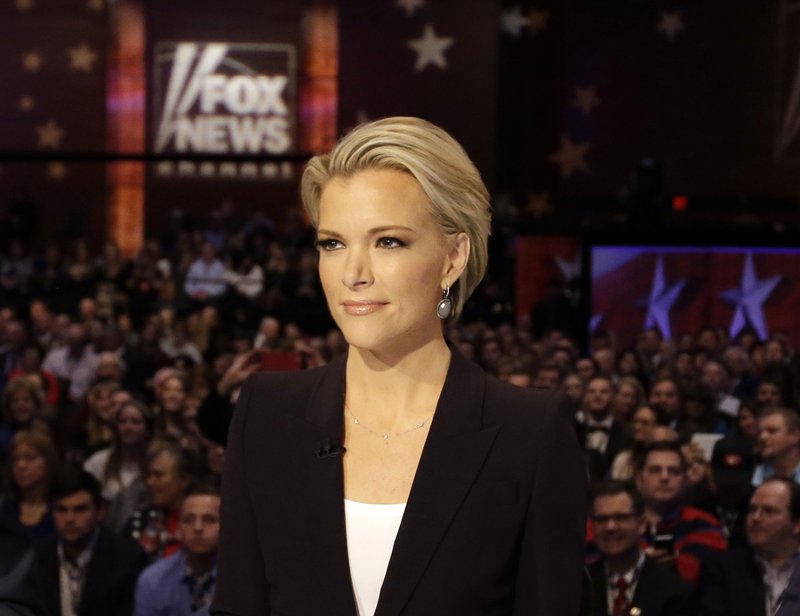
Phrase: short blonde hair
[457,195]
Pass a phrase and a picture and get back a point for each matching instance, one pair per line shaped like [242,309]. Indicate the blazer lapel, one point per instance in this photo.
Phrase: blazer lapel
[317,438]
[454,453]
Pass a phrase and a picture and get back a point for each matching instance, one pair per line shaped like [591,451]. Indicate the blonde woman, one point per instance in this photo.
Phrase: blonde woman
[399,477]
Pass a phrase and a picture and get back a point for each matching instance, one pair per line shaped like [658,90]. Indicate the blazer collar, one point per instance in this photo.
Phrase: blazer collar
[455,450]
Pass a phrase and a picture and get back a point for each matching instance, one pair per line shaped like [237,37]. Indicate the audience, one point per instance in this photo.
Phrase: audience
[131,368]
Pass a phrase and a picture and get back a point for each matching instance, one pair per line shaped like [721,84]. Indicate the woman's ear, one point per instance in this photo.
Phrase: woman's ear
[456,259]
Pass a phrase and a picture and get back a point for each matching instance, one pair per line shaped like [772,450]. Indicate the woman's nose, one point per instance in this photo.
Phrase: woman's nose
[358,270]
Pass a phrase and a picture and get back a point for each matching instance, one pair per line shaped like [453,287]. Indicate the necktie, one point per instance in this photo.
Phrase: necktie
[621,605]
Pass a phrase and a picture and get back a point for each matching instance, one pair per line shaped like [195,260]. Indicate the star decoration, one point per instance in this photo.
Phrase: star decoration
[56,171]
[410,5]
[661,300]
[571,157]
[671,23]
[32,61]
[539,204]
[586,99]
[24,5]
[96,5]
[749,298]
[26,103]
[82,58]
[537,20]
[430,49]
[50,135]
[512,21]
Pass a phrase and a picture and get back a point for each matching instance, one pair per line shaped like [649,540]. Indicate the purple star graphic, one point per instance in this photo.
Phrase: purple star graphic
[661,299]
[749,298]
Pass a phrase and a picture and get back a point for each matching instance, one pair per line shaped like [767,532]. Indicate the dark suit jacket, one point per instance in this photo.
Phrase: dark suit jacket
[730,585]
[659,592]
[494,524]
[110,577]
[619,438]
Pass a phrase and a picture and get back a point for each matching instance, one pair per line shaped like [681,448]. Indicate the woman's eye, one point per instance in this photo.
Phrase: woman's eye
[390,242]
[327,245]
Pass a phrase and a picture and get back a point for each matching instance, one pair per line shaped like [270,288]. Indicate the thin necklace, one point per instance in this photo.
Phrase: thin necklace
[386,436]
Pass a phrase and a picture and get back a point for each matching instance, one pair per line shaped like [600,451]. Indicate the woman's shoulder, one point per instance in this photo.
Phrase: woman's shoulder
[516,400]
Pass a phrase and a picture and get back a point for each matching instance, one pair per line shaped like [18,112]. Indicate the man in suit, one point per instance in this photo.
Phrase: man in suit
[677,535]
[86,570]
[601,435]
[625,579]
[762,579]
[779,445]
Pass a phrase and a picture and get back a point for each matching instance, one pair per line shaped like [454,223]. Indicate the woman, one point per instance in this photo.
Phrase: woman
[118,466]
[33,462]
[169,476]
[399,476]
[629,397]
[23,409]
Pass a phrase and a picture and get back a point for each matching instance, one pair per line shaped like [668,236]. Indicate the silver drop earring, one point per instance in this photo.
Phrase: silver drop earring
[445,306]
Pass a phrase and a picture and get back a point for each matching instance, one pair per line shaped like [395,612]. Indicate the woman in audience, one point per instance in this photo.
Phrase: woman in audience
[645,421]
[23,409]
[169,476]
[119,465]
[32,463]
[629,397]
[171,399]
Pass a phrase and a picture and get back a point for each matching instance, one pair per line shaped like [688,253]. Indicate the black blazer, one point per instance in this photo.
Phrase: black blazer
[659,592]
[494,524]
[731,585]
[110,576]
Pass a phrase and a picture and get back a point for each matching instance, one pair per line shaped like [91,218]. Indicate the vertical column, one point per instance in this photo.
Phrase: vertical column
[125,100]
[320,72]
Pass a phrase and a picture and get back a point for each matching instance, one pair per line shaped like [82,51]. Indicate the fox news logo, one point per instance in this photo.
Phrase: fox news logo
[224,98]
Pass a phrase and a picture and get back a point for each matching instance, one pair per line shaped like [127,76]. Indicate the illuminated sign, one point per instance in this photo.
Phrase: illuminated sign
[224,99]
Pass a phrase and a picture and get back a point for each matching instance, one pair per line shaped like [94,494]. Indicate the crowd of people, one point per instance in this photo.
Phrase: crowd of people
[119,378]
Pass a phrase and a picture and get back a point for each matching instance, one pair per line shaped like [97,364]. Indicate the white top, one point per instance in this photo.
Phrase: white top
[96,465]
[371,531]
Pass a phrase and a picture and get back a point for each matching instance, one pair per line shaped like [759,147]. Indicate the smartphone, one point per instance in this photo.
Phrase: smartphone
[666,542]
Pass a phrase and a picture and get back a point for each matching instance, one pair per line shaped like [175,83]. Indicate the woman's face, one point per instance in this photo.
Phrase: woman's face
[573,386]
[748,425]
[131,426]
[644,422]
[102,405]
[383,260]
[625,399]
[165,485]
[23,407]
[628,364]
[29,467]
[173,395]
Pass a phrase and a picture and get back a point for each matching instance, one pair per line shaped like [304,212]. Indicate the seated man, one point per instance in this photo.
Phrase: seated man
[779,445]
[86,569]
[625,578]
[183,584]
[677,535]
[601,435]
[762,579]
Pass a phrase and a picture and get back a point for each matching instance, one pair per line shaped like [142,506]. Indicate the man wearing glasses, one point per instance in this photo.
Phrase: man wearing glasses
[625,581]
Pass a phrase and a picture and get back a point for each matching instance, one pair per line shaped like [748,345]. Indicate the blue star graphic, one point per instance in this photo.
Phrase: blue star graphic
[748,300]
[661,299]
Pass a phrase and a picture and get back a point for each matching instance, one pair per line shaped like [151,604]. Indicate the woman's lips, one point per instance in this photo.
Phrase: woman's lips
[358,309]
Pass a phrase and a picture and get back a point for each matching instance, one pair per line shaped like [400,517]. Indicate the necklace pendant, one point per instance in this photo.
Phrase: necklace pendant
[385,437]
